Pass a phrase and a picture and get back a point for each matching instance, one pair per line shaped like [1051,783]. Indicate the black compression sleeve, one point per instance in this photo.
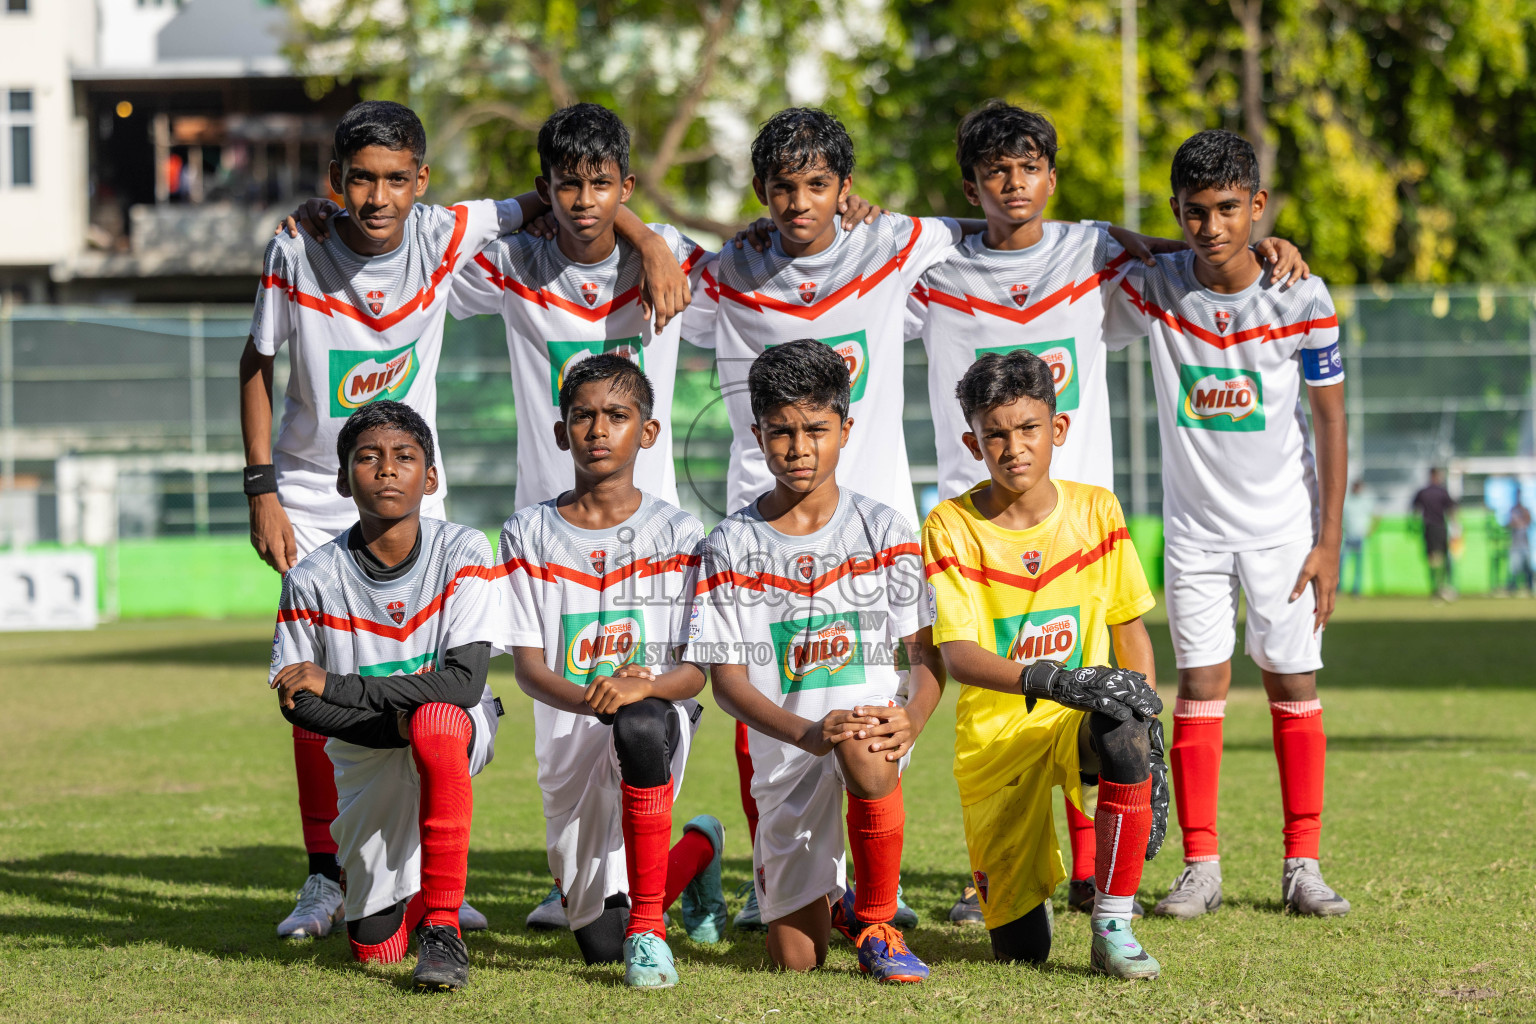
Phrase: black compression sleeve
[460,682]
[376,729]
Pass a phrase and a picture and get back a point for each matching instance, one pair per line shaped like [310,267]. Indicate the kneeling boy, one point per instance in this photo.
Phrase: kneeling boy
[599,583]
[810,598]
[383,639]
[1041,573]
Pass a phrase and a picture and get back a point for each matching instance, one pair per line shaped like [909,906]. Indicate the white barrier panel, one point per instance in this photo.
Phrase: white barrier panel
[48,590]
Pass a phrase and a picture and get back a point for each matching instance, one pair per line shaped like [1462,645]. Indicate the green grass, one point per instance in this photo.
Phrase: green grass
[149,844]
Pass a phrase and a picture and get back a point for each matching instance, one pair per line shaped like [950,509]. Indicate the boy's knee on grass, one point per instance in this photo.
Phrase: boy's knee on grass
[1024,940]
[798,941]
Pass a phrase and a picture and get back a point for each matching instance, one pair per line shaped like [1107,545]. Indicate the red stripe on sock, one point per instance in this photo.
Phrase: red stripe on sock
[1195,758]
[646,815]
[875,833]
[1301,751]
[1122,822]
[1084,846]
[440,738]
[692,854]
[317,790]
[744,779]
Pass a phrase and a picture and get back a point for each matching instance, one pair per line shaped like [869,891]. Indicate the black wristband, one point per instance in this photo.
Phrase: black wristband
[260,479]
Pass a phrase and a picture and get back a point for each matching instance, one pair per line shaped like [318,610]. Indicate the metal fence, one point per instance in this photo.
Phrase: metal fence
[123,422]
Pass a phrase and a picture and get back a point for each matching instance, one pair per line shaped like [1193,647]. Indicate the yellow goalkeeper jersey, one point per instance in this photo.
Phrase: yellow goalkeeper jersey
[1050,592]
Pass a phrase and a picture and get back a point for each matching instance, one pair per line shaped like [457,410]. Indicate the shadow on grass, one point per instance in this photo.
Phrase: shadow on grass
[238,653]
[1408,742]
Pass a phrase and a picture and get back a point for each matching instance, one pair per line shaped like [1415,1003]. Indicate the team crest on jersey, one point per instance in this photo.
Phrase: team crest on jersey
[1223,320]
[375,302]
[808,292]
[600,643]
[589,292]
[980,878]
[1020,293]
[1031,562]
[599,560]
[805,565]
[1050,633]
[396,611]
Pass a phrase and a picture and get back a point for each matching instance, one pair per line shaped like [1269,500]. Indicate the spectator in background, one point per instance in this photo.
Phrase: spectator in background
[1520,547]
[1437,510]
[1359,520]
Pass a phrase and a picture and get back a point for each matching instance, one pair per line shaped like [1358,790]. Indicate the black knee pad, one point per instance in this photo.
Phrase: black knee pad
[377,928]
[1026,939]
[645,734]
[1124,748]
[602,941]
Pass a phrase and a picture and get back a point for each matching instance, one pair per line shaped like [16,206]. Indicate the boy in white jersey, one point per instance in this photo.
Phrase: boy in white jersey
[1242,505]
[383,639]
[1044,287]
[599,582]
[362,315]
[809,613]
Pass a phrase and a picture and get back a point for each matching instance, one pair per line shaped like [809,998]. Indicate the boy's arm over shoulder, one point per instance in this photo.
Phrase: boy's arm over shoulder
[481,286]
[921,242]
[1126,311]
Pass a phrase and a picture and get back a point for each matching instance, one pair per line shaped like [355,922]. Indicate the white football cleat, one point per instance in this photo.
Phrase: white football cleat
[319,909]
[470,919]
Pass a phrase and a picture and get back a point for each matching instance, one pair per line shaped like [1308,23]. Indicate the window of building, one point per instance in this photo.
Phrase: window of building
[15,6]
[18,136]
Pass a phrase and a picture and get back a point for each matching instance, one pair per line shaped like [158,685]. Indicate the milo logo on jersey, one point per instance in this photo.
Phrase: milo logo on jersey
[1051,635]
[358,378]
[854,348]
[819,651]
[409,667]
[600,643]
[1220,398]
[1060,356]
[565,354]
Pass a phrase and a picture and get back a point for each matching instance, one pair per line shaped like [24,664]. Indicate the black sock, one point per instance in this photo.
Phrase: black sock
[325,864]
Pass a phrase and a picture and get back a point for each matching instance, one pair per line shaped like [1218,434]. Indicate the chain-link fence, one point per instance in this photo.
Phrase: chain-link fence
[123,423]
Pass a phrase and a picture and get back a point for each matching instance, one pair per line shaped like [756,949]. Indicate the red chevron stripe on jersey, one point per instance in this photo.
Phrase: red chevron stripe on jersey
[640,568]
[808,588]
[422,299]
[987,575]
[358,624]
[971,305]
[546,298]
[1264,332]
[860,285]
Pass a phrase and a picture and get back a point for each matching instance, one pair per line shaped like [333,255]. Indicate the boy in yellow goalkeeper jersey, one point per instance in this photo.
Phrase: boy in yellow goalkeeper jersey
[1034,580]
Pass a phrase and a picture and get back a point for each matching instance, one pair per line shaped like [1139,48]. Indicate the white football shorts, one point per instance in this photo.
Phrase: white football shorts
[377,827]
[1202,588]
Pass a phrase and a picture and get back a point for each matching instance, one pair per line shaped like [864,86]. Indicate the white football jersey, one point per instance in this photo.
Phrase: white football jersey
[594,601]
[1050,299]
[851,296]
[557,312]
[1238,469]
[359,328]
[817,619]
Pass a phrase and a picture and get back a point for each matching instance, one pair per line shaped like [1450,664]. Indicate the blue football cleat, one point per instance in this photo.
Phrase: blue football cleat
[884,956]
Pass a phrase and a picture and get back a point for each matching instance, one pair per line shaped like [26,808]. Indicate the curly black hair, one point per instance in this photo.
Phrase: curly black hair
[1001,378]
[583,136]
[798,138]
[384,413]
[798,372]
[1001,129]
[628,379]
[1215,159]
[380,123]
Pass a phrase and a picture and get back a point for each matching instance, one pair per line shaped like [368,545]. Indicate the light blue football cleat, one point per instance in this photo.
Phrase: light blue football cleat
[703,899]
[1117,953]
[648,962]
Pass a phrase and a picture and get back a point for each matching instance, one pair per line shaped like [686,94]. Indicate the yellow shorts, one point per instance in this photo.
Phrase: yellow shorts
[1011,835]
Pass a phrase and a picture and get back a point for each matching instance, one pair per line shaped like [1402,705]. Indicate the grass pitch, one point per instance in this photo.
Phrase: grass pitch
[149,844]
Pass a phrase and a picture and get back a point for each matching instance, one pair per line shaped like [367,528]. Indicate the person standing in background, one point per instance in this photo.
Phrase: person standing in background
[1437,509]
[1520,548]
[1359,521]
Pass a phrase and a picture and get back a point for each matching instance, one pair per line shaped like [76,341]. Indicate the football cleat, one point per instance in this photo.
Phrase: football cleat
[1196,891]
[1117,953]
[1305,892]
[703,899]
[905,917]
[843,920]
[967,909]
[884,956]
[549,914]
[320,908]
[749,918]
[1080,894]
[442,962]
[648,962]
[471,920]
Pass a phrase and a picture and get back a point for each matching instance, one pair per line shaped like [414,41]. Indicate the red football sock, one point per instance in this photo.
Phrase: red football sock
[744,777]
[690,856]
[392,949]
[1196,761]
[646,815]
[1080,831]
[440,737]
[1122,822]
[875,832]
[1301,749]
[317,790]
